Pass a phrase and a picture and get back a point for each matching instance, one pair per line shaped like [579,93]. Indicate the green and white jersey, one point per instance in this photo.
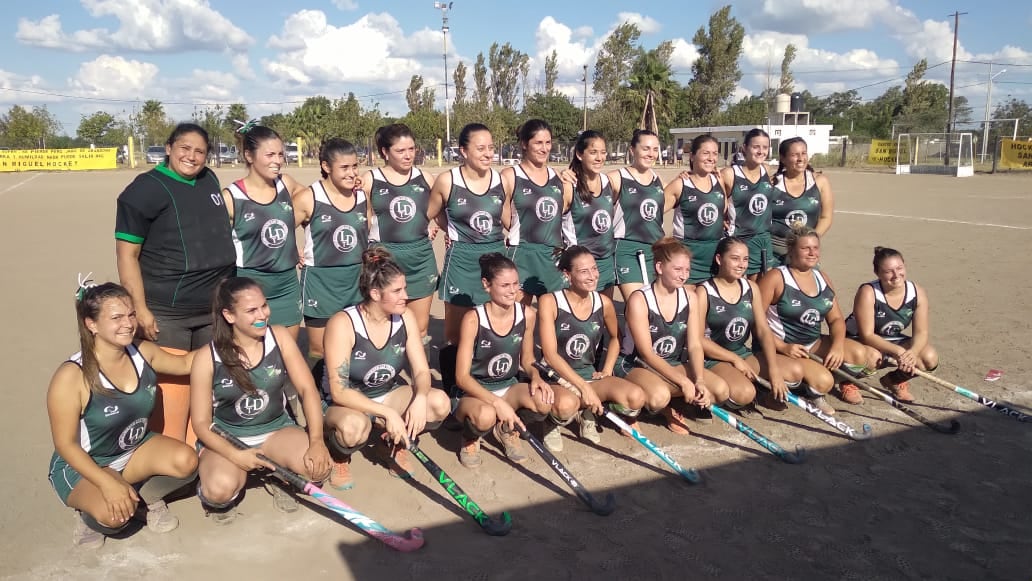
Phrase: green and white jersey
[250,414]
[889,323]
[700,215]
[669,338]
[115,422]
[399,212]
[263,234]
[796,317]
[730,324]
[536,210]
[475,218]
[334,237]
[751,207]
[638,215]
[374,370]
[590,224]
[496,358]
[788,210]
[578,339]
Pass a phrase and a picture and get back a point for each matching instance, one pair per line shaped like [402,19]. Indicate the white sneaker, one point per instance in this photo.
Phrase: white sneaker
[159,519]
[589,427]
[552,439]
[85,537]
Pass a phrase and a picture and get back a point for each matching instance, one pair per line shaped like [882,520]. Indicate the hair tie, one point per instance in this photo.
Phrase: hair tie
[245,126]
[85,283]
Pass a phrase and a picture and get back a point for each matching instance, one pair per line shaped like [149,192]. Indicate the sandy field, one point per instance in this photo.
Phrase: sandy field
[908,504]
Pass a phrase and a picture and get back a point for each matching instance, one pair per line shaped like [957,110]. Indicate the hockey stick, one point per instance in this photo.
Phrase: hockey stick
[690,474]
[412,540]
[980,399]
[817,413]
[493,527]
[845,374]
[585,496]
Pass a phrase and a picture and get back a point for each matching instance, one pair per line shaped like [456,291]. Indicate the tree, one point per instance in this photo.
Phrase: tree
[419,97]
[312,121]
[615,60]
[508,66]
[787,84]
[551,72]
[924,104]
[561,113]
[156,126]
[747,111]
[651,74]
[962,111]
[94,129]
[483,94]
[716,70]
[25,129]
[235,112]
[1012,109]
[280,123]
[459,78]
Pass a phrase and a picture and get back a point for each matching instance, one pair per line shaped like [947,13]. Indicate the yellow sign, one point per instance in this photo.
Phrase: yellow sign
[883,151]
[58,159]
[1016,154]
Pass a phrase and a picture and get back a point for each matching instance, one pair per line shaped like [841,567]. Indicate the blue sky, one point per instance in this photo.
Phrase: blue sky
[80,56]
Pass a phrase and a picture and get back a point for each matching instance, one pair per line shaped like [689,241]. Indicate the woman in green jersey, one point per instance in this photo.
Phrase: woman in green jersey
[106,459]
[800,298]
[538,199]
[399,197]
[882,311]
[750,198]
[334,213]
[802,196]
[239,382]
[588,220]
[367,347]
[731,303]
[571,323]
[701,206]
[664,324]
[496,343]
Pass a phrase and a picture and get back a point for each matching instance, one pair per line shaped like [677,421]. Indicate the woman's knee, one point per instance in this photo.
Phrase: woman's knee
[483,417]
[657,399]
[183,462]
[741,392]
[220,488]
[929,358]
[438,405]
[566,405]
[352,429]
[820,379]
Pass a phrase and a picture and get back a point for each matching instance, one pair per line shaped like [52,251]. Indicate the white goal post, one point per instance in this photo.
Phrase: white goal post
[935,153]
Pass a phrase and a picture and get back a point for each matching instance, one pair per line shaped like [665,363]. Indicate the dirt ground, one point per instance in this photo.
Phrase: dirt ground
[907,504]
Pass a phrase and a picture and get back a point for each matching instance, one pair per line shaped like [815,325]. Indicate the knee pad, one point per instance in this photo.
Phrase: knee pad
[470,432]
[530,417]
[335,446]
[95,525]
[215,505]
[729,403]
[621,410]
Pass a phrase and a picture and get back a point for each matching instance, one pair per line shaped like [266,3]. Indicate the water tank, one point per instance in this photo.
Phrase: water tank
[781,103]
[797,102]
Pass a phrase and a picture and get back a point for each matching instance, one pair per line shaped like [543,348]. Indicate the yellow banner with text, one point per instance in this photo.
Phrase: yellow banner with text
[58,159]
[1016,154]
[883,151]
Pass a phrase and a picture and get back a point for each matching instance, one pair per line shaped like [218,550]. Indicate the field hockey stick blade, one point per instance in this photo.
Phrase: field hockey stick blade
[1000,406]
[798,457]
[817,413]
[689,474]
[493,527]
[601,509]
[410,541]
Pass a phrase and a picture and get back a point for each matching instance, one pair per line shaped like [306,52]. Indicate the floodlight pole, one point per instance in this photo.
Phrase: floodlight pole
[585,79]
[988,107]
[444,7]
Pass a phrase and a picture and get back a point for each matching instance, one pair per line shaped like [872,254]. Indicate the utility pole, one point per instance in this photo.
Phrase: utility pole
[953,69]
[585,79]
[444,7]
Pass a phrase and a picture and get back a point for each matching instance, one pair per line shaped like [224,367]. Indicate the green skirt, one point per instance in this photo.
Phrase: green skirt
[419,264]
[282,292]
[460,279]
[536,265]
[325,290]
[757,244]
[702,259]
[628,270]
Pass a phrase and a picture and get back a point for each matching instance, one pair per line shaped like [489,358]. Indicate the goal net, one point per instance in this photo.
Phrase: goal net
[935,153]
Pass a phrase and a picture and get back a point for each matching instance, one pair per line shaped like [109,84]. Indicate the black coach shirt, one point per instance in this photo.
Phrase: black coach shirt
[184,230]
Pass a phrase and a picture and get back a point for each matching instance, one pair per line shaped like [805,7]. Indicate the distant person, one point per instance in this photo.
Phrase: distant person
[803,196]
[106,459]
[173,243]
[751,199]
[738,158]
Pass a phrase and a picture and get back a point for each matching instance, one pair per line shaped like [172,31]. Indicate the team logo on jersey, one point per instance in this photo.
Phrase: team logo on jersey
[110,410]
[248,216]
[810,317]
[461,202]
[632,190]
[481,222]
[527,191]
[499,365]
[601,221]
[403,209]
[653,329]
[485,344]
[250,405]
[383,191]
[757,204]
[226,383]
[379,375]
[796,303]
[360,355]
[648,209]
[692,198]
[132,434]
[546,209]
[324,218]
[311,303]
[880,315]
[735,330]
[742,188]
[796,217]
[708,214]
[664,346]
[345,239]
[564,326]
[719,308]
[274,233]
[577,346]
[891,329]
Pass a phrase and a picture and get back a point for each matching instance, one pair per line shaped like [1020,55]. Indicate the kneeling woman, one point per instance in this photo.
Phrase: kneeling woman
[238,382]
[570,324]
[730,301]
[495,342]
[664,323]
[883,309]
[367,345]
[105,458]
[800,297]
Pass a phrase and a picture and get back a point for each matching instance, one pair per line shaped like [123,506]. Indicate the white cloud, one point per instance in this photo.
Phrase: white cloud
[812,16]
[646,24]
[347,5]
[242,66]
[28,89]
[144,26]
[114,77]
[583,32]
[684,56]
